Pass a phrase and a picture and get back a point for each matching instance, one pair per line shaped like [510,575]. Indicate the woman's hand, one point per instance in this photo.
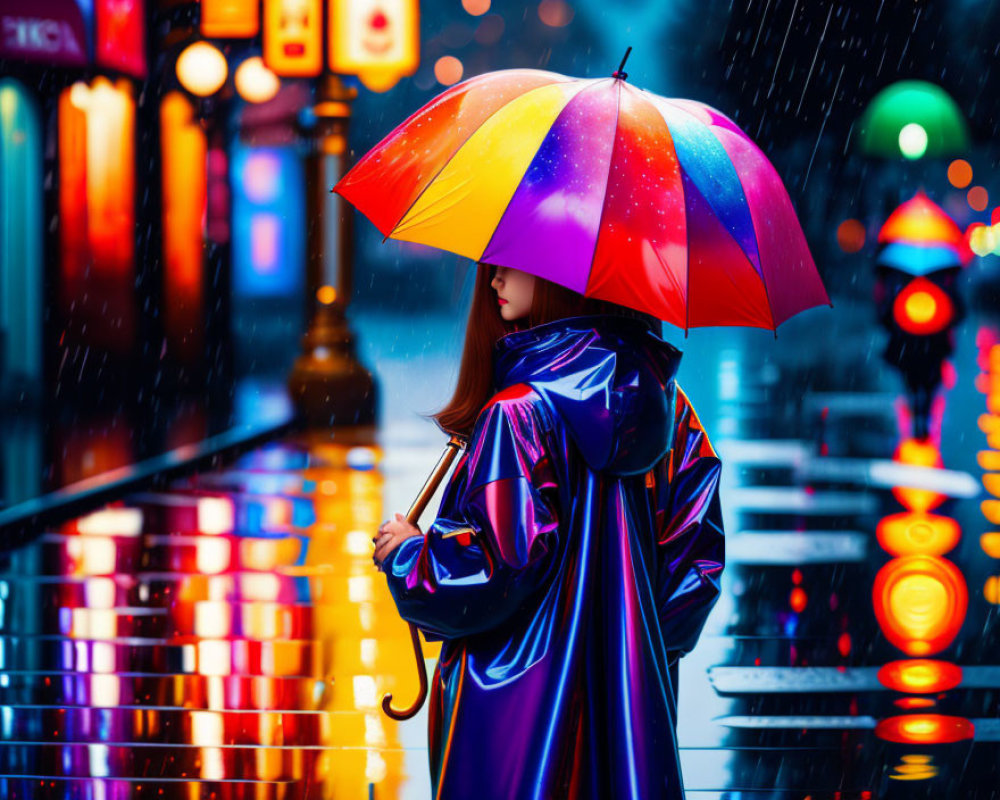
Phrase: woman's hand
[391,534]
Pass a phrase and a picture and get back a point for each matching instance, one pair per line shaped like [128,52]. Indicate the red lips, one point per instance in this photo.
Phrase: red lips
[501,301]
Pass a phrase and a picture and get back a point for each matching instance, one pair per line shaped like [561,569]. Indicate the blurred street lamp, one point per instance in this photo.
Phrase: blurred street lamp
[202,69]
[912,119]
[377,40]
[255,82]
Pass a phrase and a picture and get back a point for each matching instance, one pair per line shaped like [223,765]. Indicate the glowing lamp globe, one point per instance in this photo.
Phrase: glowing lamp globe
[920,603]
[255,82]
[913,140]
[202,69]
[913,119]
[923,308]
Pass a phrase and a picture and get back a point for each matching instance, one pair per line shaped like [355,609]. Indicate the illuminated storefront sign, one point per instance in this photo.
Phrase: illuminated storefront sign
[293,37]
[378,40]
[52,31]
[121,36]
[97,211]
[230,19]
[184,199]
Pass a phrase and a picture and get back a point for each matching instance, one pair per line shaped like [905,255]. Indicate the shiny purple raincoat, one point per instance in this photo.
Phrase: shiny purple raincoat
[592,554]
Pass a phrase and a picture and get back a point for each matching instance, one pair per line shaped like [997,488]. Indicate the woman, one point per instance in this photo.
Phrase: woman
[575,557]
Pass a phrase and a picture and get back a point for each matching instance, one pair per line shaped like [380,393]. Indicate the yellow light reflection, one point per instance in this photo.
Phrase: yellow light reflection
[920,603]
[910,533]
[917,453]
[216,515]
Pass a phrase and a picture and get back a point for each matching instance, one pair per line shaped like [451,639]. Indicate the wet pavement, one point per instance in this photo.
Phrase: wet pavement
[228,637]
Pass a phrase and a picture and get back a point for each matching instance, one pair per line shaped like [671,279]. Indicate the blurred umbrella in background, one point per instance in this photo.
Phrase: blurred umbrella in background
[913,119]
[920,238]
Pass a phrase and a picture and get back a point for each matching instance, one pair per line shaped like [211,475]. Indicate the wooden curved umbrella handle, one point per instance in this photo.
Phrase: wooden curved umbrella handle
[455,443]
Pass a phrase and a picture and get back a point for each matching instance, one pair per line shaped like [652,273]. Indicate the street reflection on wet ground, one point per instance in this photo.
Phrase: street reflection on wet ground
[229,637]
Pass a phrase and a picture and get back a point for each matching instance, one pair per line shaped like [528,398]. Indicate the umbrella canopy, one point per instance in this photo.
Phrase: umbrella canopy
[913,103]
[916,259]
[922,223]
[662,205]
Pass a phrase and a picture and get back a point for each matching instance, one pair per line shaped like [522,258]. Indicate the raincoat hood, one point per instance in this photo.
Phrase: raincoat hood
[609,379]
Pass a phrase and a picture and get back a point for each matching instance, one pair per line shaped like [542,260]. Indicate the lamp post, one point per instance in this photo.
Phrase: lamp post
[328,384]
[377,40]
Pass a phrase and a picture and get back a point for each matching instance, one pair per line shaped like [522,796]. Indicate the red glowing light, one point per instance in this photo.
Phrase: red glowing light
[920,603]
[923,308]
[920,675]
[924,729]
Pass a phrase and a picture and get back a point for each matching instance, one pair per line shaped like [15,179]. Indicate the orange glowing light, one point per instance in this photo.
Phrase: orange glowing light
[924,729]
[555,13]
[922,307]
[910,533]
[293,37]
[991,590]
[990,542]
[915,702]
[476,7]
[978,198]
[96,129]
[920,603]
[184,152]
[991,510]
[920,675]
[921,220]
[326,295]
[448,70]
[229,19]
[202,69]
[918,453]
[797,599]
[851,235]
[991,480]
[960,173]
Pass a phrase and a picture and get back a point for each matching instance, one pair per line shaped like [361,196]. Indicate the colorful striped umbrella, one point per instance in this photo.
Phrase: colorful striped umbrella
[662,205]
[922,222]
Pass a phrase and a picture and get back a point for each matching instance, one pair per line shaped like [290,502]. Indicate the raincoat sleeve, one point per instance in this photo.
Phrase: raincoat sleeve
[690,536]
[502,503]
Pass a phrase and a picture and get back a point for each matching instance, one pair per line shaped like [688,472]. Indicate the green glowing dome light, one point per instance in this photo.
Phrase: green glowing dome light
[912,103]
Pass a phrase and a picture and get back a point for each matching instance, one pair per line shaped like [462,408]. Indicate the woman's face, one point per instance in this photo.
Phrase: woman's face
[515,291]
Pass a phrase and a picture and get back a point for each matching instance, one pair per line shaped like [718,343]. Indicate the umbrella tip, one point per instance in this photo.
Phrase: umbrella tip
[620,72]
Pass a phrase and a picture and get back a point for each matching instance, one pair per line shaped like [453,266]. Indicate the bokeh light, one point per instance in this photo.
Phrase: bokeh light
[922,308]
[555,13]
[255,82]
[202,69]
[476,7]
[326,295]
[960,173]
[448,70]
[920,603]
[920,675]
[991,590]
[913,140]
[851,235]
[982,238]
[489,30]
[978,198]
[924,729]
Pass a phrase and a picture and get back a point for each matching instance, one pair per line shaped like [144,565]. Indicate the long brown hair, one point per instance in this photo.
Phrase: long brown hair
[485,325]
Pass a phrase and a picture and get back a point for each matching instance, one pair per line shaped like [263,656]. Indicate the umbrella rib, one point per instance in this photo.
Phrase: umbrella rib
[604,205]
[457,149]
